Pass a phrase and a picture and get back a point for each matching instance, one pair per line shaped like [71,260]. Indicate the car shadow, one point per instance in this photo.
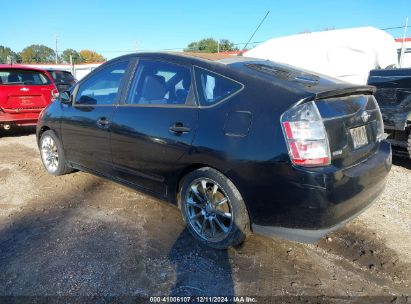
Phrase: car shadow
[74,244]
[17,131]
[200,270]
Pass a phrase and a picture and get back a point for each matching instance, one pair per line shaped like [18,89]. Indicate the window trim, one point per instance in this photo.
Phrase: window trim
[91,74]
[193,87]
[222,100]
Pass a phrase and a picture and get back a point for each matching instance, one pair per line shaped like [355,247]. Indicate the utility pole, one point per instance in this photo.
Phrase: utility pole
[218,46]
[403,40]
[56,49]
[71,64]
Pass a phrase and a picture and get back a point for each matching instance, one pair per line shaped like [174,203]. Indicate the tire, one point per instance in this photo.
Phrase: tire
[52,154]
[221,206]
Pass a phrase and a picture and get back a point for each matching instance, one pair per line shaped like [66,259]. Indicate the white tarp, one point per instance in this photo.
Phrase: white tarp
[347,54]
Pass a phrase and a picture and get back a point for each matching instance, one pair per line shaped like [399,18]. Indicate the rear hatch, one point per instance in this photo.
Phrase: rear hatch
[353,124]
[350,115]
[24,90]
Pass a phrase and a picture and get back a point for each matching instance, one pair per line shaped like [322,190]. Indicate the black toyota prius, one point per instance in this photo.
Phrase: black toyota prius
[239,144]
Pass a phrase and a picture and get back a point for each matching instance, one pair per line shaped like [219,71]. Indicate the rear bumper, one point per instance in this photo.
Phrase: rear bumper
[312,210]
[20,119]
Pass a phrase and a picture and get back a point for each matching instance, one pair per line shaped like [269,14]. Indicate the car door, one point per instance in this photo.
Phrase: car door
[155,125]
[86,122]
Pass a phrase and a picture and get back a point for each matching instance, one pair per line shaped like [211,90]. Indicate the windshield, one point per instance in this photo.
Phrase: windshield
[22,77]
[62,77]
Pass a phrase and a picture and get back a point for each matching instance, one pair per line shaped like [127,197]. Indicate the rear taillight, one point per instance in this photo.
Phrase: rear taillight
[305,136]
[54,94]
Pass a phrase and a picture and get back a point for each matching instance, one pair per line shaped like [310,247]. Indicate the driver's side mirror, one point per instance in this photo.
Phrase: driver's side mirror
[66,97]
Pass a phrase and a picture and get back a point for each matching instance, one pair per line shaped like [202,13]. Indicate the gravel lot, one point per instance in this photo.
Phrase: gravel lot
[82,235]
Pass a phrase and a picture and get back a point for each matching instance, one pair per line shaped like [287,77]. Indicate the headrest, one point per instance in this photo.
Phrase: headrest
[154,87]
[13,78]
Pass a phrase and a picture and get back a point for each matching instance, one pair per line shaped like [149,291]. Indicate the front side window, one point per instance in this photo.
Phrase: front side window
[102,88]
[213,87]
[22,77]
[160,83]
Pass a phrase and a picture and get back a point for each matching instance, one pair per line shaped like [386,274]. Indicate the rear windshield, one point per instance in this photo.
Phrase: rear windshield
[22,77]
[286,73]
[62,77]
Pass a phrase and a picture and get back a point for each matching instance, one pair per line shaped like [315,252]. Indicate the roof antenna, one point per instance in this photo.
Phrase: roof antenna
[242,51]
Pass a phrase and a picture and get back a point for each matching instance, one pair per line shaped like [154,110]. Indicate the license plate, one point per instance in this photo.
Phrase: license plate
[359,137]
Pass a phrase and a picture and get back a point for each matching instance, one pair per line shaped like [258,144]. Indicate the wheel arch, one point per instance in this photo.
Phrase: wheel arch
[40,132]
[175,189]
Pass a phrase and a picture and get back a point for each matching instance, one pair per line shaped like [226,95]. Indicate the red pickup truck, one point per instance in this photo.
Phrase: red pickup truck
[24,93]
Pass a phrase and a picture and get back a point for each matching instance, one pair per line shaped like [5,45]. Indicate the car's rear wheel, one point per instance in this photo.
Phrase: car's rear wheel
[52,154]
[213,209]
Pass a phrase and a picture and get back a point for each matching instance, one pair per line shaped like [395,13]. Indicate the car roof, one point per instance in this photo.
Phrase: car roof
[213,58]
[207,56]
[20,67]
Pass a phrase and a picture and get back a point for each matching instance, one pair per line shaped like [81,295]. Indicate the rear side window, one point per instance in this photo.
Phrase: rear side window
[22,77]
[161,83]
[213,87]
[102,87]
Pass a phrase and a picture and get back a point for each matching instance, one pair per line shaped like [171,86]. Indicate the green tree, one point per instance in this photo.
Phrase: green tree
[37,53]
[65,56]
[6,53]
[91,56]
[227,46]
[210,45]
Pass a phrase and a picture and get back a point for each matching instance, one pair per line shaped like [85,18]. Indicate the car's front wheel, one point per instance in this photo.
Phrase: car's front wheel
[52,154]
[213,209]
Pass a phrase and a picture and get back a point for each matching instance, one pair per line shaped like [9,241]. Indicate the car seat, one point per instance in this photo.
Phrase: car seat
[181,94]
[13,78]
[154,90]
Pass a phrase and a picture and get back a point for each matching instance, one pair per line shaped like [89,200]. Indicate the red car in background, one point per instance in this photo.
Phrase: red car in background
[24,93]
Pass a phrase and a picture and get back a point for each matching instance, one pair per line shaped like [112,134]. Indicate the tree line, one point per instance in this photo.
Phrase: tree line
[211,45]
[38,53]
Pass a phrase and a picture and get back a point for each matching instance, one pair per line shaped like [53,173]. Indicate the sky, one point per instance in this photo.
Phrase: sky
[116,27]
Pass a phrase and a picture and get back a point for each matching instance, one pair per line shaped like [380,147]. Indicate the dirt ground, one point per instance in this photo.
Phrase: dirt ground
[82,235]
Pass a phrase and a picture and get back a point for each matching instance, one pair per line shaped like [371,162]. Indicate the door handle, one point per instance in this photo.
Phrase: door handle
[102,122]
[178,128]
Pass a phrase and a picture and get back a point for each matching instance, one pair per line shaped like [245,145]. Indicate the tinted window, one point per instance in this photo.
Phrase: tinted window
[22,77]
[213,87]
[102,87]
[157,82]
[61,77]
